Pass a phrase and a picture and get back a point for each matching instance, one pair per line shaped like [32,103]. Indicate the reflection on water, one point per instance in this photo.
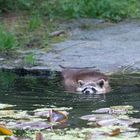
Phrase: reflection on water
[29,91]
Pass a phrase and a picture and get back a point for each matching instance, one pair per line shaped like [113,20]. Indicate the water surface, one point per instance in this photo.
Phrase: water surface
[32,90]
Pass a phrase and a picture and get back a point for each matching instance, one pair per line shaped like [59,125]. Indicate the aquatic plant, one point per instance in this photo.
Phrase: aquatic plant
[26,123]
[30,59]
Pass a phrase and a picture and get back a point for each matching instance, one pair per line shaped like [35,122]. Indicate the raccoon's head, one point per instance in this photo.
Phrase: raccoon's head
[91,87]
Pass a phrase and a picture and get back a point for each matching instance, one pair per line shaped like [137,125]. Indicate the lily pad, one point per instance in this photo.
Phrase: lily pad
[5,106]
[114,121]
[97,117]
[110,118]
[37,125]
[116,110]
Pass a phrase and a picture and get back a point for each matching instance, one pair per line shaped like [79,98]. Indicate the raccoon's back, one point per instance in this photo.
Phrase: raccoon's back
[69,80]
[90,75]
[82,74]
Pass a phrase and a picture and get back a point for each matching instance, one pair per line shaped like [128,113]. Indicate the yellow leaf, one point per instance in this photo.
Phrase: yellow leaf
[5,131]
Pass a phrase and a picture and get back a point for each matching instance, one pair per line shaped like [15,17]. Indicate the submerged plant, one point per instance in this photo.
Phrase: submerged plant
[6,80]
[30,59]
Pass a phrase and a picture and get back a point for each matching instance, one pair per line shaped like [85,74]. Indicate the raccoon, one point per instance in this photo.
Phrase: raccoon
[85,80]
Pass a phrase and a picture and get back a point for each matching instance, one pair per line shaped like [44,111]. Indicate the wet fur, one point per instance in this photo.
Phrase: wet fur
[71,76]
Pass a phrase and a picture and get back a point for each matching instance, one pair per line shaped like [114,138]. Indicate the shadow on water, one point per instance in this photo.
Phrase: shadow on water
[29,90]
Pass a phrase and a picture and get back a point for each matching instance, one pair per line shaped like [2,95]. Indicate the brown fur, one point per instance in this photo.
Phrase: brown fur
[71,76]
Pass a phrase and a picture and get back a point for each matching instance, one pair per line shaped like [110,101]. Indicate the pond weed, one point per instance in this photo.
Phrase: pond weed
[30,59]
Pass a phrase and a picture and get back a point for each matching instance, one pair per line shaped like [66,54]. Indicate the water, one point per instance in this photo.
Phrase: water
[32,90]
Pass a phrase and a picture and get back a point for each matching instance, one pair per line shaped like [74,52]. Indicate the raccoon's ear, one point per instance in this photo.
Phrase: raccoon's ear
[80,82]
[101,82]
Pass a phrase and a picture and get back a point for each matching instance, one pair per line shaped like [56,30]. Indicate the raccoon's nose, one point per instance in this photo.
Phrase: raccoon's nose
[87,92]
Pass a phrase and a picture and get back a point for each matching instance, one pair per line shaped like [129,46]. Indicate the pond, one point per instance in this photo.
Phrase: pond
[30,90]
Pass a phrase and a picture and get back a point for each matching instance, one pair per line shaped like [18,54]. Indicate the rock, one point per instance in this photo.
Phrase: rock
[57,33]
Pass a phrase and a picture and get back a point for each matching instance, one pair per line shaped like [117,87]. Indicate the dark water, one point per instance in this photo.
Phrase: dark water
[32,90]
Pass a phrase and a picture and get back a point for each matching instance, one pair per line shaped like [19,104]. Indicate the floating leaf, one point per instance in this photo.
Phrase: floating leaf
[115,132]
[4,106]
[125,107]
[58,116]
[116,110]
[7,113]
[36,125]
[102,110]
[39,136]
[5,131]
[17,138]
[53,115]
[96,117]
[121,109]
[107,122]
[54,108]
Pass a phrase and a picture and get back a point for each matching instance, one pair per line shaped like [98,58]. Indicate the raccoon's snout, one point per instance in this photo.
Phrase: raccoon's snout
[88,91]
